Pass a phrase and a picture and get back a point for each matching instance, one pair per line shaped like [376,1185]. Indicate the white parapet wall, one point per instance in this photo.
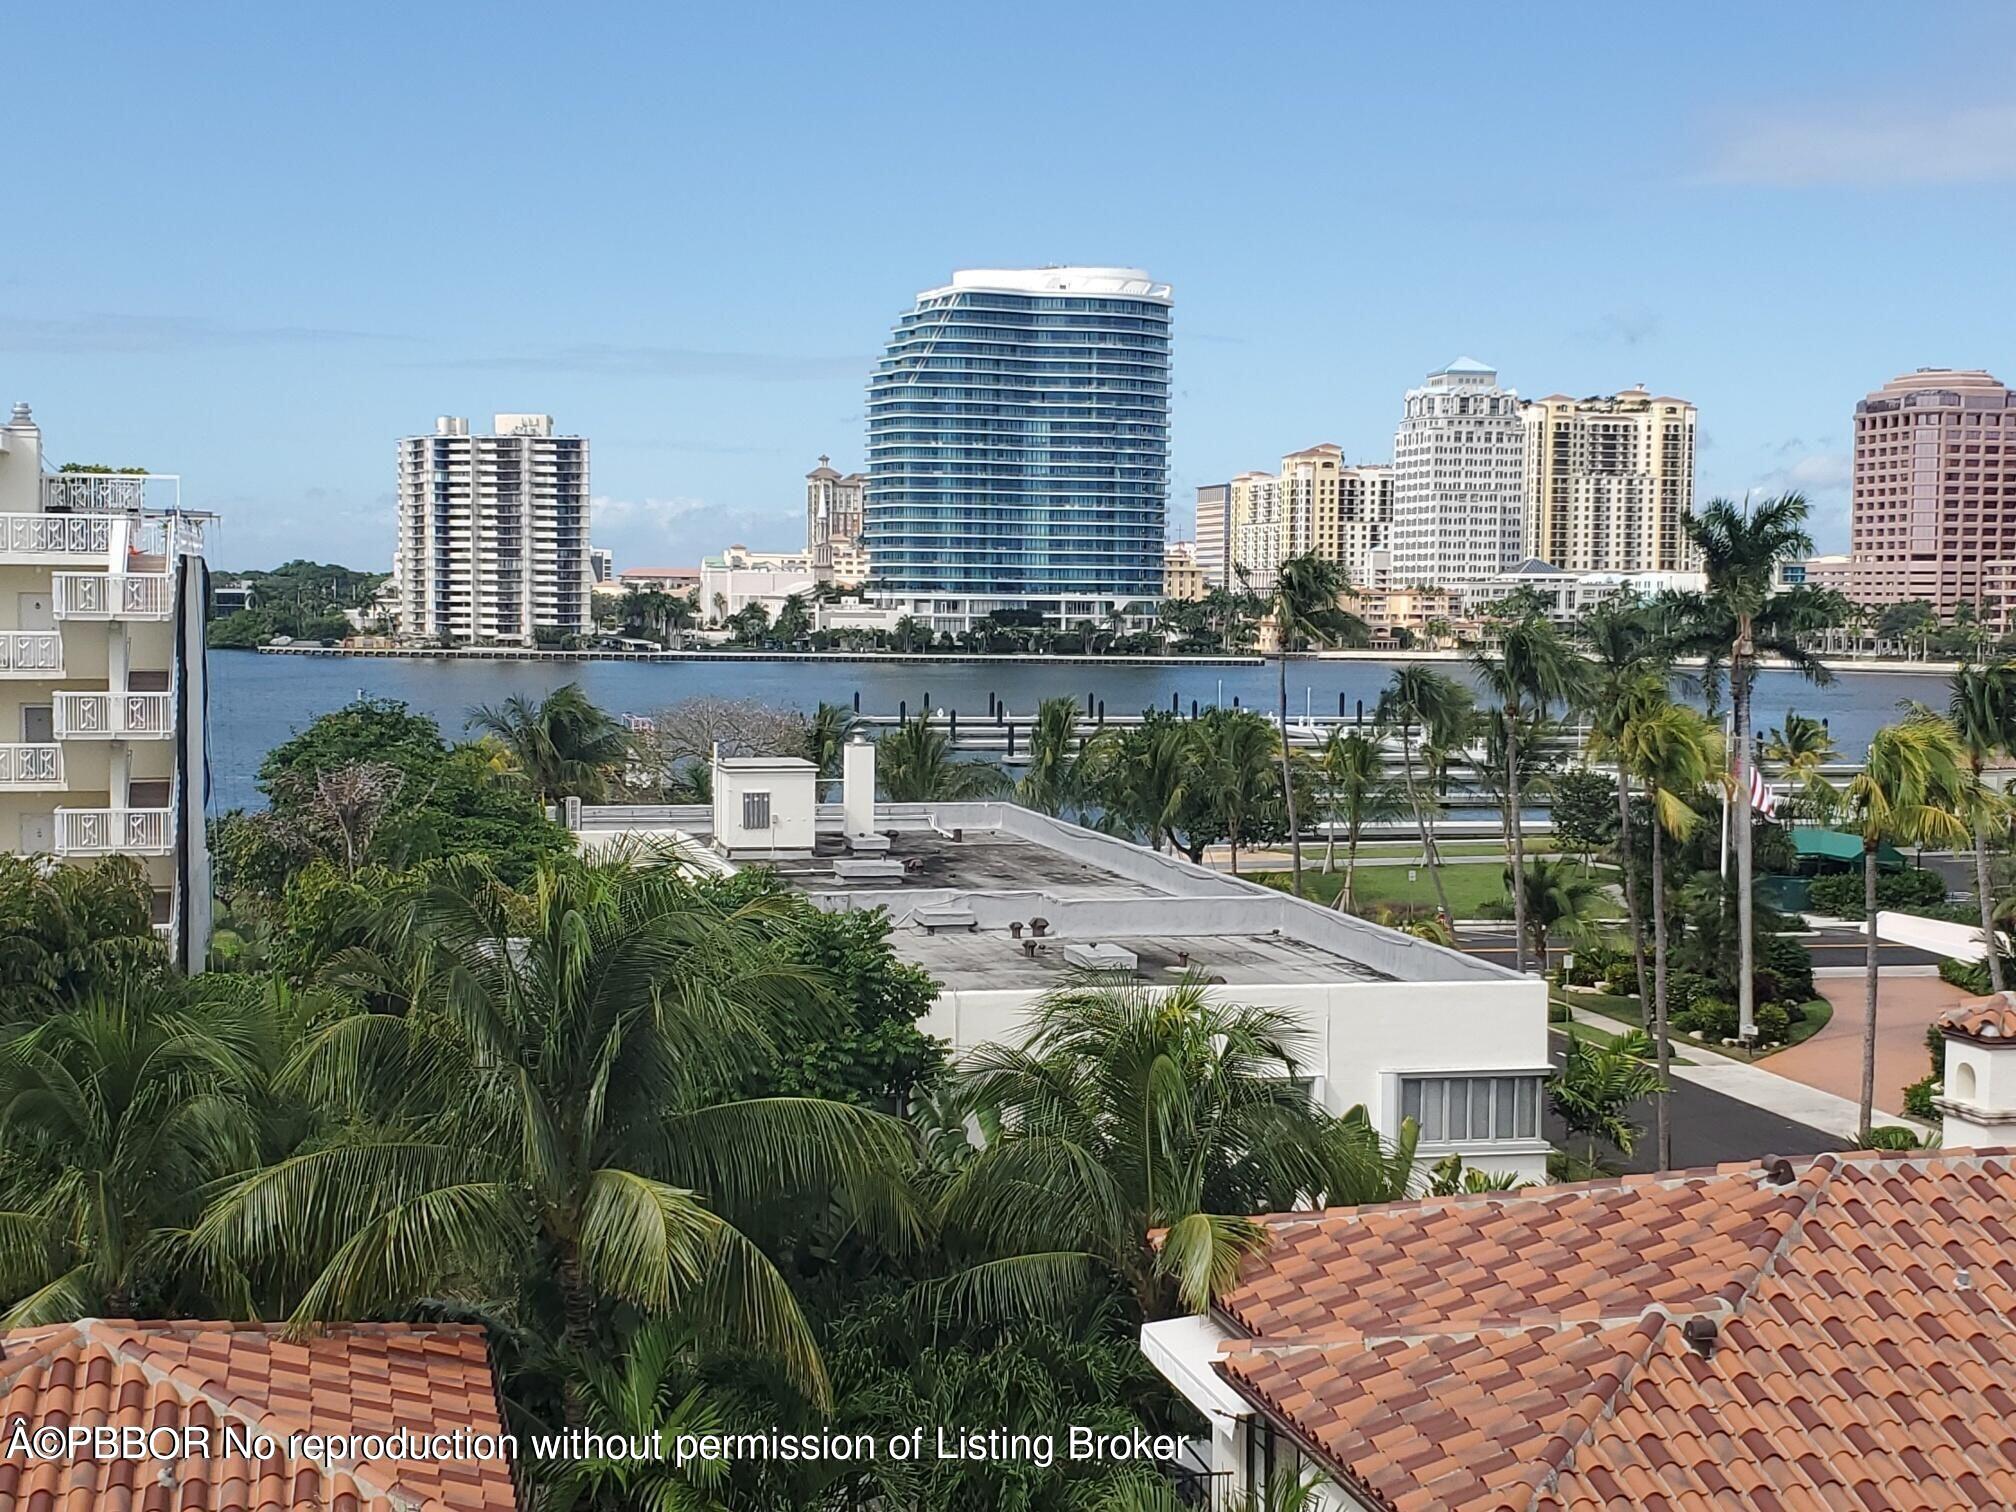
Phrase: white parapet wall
[1960,941]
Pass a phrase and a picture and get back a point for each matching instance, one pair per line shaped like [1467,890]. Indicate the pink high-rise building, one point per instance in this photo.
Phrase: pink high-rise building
[1933,511]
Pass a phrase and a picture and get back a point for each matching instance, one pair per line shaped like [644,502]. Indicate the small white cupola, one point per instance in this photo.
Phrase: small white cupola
[1978,1102]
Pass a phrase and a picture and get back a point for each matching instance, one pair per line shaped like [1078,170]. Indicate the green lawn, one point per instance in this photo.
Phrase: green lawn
[1474,891]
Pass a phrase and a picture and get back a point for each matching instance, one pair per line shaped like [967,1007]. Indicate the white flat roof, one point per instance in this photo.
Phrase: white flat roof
[1132,282]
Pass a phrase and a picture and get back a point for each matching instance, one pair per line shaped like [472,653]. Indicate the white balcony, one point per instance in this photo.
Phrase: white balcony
[31,653]
[114,716]
[110,493]
[115,832]
[31,768]
[113,595]
[54,538]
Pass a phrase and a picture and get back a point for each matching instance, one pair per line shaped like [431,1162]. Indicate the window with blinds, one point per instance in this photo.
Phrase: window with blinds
[1472,1109]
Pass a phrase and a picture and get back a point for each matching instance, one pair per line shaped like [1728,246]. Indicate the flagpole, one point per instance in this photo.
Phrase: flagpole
[1728,725]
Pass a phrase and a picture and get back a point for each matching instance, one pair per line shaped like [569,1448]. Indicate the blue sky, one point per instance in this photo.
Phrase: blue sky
[254,245]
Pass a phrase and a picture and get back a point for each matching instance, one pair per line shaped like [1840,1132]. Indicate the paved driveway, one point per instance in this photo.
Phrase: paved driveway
[1832,1059]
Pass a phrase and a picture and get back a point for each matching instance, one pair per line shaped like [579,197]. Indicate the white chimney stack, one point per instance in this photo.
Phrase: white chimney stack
[857,785]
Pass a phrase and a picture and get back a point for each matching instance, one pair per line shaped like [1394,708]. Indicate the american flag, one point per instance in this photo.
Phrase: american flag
[1762,799]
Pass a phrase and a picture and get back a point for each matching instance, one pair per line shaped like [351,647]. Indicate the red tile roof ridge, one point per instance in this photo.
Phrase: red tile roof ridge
[1990,1019]
[1343,1336]
[1598,1403]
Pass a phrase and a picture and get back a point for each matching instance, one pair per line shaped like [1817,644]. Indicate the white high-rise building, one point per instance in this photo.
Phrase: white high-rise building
[1458,479]
[493,533]
[103,677]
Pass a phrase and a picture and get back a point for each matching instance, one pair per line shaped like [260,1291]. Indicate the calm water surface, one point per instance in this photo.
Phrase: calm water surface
[258,701]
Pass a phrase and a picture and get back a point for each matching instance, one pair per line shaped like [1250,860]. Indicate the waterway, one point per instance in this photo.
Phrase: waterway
[258,701]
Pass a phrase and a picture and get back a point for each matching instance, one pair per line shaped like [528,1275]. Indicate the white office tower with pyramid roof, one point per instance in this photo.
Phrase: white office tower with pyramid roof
[1458,479]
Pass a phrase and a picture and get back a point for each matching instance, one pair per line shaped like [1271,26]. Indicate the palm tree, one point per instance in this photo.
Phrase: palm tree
[1914,786]
[1053,778]
[530,1108]
[1675,753]
[1352,769]
[794,623]
[562,746]
[1304,607]
[1132,1108]
[1740,618]
[117,1111]
[1627,666]
[1441,707]
[1560,899]
[826,735]
[1234,755]
[1532,668]
[1802,747]
[1141,778]
[1983,710]
[1596,1086]
[914,764]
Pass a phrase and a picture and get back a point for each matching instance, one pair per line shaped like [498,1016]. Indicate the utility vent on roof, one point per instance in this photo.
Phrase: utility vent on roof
[1093,955]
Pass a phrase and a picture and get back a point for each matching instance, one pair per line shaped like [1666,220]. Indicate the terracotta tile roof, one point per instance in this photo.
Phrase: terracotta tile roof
[360,1378]
[1984,1018]
[1532,1350]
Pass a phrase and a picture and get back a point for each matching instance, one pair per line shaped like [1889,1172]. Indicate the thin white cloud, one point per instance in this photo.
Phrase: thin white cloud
[623,514]
[1861,149]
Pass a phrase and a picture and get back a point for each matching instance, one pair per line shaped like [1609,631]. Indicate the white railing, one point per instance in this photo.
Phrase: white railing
[32,537]
[114,832]
[113,716]
[170,535]
[110,493]
[31,766]
[112,595]
[31,653]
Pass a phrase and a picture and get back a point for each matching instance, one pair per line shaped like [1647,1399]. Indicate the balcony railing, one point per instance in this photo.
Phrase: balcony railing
[113,595]
[170,535]
[115,832]
[60,538]
[31,653]
[110,493]
[114,716]
[31,766]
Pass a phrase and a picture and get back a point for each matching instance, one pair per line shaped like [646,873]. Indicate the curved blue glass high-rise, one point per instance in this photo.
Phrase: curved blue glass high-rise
[1018,447]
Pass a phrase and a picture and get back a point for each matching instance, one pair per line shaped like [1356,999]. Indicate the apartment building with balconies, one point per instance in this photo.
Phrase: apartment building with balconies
[493,533]
[102,676]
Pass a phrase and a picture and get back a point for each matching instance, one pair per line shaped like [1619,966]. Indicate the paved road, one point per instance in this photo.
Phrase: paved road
[1708,1129]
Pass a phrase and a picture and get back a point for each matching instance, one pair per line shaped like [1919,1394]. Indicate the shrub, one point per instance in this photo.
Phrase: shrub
[1891,1137]
[1908,891]
[1918,1098]
[1968,976]
[1784,971]
[1707,1017]
[1774,1024]
[1684,989]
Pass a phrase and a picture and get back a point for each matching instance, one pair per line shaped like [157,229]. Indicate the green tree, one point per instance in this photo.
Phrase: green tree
[1144,780]
[1583,810]
[1422,698]
[1303,603]
[563,746]
[794,621]
[1741,618]
[826,735]
[914,764]
[1053,778]
[1674,753]
[1234,757]
[1595,1088]
[1912,790]
[1356,792]
[115,1113]
[534,1113]
[1561,901]
[1982,707]
[67,931]
[1130,1109]
[1532,668]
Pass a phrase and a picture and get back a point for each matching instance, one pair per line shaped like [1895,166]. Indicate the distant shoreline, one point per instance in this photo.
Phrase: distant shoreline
[529,654]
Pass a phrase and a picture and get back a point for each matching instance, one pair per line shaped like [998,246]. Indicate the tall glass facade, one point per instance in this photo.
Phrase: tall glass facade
[1018,446]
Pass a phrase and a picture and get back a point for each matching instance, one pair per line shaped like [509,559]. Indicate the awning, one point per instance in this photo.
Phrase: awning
[1183,1350]
[1839,845]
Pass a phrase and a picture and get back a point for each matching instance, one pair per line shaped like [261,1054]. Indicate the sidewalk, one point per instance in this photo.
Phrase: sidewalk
[1751,1083]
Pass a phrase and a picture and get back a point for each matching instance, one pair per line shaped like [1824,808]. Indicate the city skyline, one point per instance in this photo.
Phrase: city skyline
[280,323]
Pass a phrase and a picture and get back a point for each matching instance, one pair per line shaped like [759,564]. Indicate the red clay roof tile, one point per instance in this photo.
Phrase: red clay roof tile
[1525,1349]
[247,1376]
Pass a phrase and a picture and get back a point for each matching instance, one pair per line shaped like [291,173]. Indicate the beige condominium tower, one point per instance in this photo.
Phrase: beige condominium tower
[1316,503]
[1610,482]
[103,677]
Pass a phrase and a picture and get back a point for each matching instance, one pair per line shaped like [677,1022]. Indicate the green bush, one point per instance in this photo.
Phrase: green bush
[1892,1137]
[1784,971]
[1713,1020]
[1774,1024]
[1968,976]
[1918,1098]
[1908,891]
